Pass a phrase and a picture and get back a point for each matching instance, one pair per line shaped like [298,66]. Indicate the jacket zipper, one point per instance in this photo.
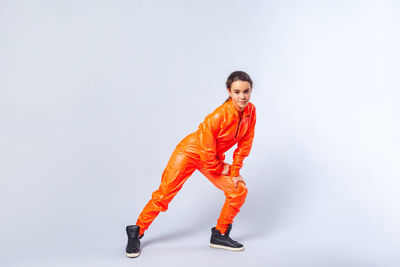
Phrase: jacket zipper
[240,119]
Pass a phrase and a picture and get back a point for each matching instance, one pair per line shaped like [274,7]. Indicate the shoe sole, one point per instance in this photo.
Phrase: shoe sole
[133,255]
[225,247]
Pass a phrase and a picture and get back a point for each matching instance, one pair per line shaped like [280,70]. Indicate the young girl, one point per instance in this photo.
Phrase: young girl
[231,123]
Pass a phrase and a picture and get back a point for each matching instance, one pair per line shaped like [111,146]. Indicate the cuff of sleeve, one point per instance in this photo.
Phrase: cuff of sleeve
[221,157]
[234,171]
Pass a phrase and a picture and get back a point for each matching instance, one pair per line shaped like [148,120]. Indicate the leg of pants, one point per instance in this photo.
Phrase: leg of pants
[235,198]
[178,170]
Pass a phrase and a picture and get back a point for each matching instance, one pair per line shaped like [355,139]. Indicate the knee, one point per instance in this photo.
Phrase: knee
[238,195]
[237,198]
[242,190]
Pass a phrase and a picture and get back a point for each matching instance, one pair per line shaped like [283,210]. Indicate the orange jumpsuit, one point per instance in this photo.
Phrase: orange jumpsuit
[204,150]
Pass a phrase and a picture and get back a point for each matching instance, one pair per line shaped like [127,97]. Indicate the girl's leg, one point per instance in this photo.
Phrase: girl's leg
[178,170]
[235,198]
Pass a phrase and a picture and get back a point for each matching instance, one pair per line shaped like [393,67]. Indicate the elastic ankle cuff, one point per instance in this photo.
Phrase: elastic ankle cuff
[221,229]
[141,231]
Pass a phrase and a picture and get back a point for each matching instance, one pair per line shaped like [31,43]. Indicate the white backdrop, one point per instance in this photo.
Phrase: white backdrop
[95,95]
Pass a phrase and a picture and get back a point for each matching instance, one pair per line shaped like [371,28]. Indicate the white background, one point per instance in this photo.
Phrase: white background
[95,95]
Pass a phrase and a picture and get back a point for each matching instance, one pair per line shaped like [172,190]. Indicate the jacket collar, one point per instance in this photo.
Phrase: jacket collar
[245,112]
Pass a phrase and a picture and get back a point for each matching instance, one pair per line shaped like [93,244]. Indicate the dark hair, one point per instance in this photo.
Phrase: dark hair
[237,76]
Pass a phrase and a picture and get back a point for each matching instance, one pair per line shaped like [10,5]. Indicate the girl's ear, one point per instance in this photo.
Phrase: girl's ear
[229,91]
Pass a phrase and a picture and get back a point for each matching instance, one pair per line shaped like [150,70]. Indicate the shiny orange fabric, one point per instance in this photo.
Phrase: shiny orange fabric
[204,150]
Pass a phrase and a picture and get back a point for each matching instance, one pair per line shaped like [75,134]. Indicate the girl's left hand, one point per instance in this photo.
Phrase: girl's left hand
[226,169]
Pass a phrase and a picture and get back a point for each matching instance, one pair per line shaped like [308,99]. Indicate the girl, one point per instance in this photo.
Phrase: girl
[231,123]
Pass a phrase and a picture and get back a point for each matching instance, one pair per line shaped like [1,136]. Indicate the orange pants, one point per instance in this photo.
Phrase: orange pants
[181,165]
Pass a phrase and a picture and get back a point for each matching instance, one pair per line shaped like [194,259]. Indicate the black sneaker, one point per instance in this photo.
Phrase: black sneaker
[219,240]
[133,247]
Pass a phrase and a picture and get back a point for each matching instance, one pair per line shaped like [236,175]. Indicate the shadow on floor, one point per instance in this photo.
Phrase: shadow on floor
[242,238]
[174,235]
[190,232]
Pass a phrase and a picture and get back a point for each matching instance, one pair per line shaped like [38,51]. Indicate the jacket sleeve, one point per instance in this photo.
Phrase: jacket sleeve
[243,149]
[208,130]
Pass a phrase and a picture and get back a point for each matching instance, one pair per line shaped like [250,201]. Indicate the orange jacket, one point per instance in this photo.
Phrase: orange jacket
[222,129]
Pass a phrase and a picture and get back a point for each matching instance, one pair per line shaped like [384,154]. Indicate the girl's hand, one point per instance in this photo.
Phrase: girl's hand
[226,169]
[238,179]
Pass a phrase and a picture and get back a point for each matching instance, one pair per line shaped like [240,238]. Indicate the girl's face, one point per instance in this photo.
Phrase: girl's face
[240,93]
